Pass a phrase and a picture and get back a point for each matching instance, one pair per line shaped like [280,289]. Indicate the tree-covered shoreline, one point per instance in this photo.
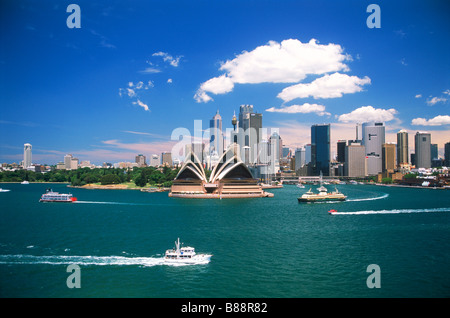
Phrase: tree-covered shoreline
[147,176]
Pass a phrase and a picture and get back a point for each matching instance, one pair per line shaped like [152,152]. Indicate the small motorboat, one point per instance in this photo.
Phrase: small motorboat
[332,211]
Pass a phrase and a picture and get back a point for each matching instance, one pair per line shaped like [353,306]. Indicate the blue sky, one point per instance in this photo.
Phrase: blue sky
[137,70]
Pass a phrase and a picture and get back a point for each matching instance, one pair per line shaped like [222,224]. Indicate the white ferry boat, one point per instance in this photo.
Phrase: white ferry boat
[323,195]
[25,182]
[51,196]
[185,255]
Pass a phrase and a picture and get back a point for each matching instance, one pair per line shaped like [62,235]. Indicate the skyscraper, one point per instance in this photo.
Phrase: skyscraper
[320,149]
[434,151]
[250,124]
[355,160]
[447,154]
[373,135]
[402,147]
[67,161]
[388,157]
[140,160]
[216,139]
[422,142]
[341,151]
[26,155]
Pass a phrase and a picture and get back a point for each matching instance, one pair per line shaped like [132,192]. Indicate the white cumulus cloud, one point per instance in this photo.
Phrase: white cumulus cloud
[436,121]
[368,113]
[303,109]
[328,86]
[436,100]
[287,62]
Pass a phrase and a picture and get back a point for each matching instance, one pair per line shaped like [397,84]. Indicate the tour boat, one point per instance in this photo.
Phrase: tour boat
[185,255]
[51,196]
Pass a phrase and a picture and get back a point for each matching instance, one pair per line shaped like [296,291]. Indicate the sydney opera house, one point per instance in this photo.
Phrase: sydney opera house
[230,178]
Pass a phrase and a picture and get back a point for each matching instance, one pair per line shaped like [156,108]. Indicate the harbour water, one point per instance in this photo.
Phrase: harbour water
[264,247]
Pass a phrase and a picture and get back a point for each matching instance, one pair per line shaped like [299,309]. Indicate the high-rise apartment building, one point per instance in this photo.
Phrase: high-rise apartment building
[67,161]
[434,151]
[422,143]
[373,137]
[402,147]
[27,155]
[320,149]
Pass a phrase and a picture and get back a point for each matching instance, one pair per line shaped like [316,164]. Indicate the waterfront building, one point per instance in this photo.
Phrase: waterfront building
[422,143]
[216,135]
[402,147]
[140,160]
[27,155]
[447,154]
[388,157]
[230,178]
[355,160]
[373,137]
[60,166]
[320,149]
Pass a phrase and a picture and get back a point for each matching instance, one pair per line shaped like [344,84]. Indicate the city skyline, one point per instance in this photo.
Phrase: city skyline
[120,85]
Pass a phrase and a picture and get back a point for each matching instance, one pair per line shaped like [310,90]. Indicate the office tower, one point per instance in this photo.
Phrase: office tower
[27,155]
[286,152]
[388,158]
[166,159]
[140,160]
[434,151]
[154,160]
[341,151]
[447,154]
[198,148]
[216,135]
[402,147]
[422,142]
[373,139]
[67,161]
[299,158]
[250,124]
[276,146]
[355,160]
[320,149]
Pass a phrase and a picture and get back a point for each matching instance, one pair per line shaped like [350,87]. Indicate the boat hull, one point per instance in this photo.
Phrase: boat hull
[197,259]
[300,199]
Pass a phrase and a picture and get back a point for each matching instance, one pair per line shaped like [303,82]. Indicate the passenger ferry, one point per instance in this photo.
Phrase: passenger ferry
[185,255]
[323,195]
[51,196]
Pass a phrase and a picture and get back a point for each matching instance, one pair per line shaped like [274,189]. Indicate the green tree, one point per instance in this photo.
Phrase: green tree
[110,179]
[140,180]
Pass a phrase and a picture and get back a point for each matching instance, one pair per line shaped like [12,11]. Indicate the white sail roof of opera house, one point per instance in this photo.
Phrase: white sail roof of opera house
[191,169]
[230,166]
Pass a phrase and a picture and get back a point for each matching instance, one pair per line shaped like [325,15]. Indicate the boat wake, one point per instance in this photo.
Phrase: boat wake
[89,260]
[384,196]
[393,211]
